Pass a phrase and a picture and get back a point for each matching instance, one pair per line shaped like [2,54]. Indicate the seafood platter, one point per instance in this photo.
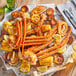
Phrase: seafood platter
[35,39]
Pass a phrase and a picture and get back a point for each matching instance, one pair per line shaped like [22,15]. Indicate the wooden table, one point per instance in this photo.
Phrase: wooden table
[70,71]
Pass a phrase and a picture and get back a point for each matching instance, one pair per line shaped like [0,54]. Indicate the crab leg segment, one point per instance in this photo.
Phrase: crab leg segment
[41,40]
[24,34]
[42,46]
[18,32]
[28,44]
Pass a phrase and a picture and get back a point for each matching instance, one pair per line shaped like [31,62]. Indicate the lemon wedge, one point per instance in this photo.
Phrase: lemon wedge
[5,37]
[57,37]
[62,50]
[42,68]
[46,61]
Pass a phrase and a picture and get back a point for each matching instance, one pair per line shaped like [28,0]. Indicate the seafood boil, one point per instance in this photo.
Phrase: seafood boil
[34,39]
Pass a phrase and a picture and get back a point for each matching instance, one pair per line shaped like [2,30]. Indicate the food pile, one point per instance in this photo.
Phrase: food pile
[34,39]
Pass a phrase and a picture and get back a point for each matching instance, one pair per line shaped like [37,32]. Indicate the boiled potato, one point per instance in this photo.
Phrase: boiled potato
[12,30]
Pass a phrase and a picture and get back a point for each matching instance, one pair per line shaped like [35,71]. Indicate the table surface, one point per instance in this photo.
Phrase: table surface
[69,71]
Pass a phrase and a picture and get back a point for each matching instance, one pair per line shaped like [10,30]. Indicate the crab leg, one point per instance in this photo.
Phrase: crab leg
[28,44]
[35,41]
[48,54]
[42,40]
[31,48]
[20,37]
[24,34]
[30,32]
[64,41]
[35,38]
[39,42]
[42,46]
[24,29]
[18,33]
[19,54]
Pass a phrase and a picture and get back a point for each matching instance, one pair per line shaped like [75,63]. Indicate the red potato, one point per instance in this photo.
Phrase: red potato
[58,58]
[71,39]
[53,21]
[50,11]
[50,17]
[24,9]
[15,14]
